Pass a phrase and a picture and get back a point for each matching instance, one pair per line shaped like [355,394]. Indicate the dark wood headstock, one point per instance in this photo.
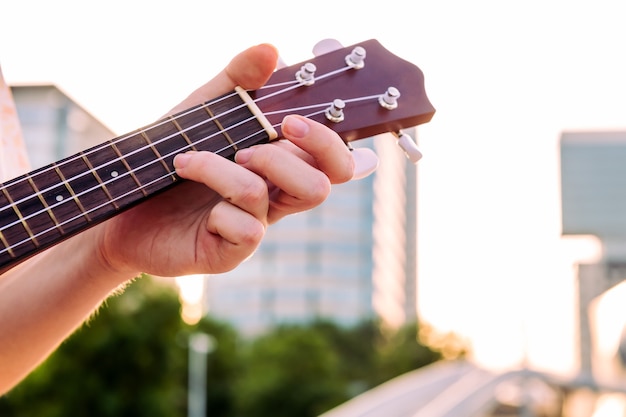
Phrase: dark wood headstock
[363,118]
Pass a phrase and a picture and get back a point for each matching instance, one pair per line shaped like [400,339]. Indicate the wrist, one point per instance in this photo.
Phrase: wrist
[93,260]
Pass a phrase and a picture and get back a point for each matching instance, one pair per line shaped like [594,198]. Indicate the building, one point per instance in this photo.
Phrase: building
[350,259]
[593,188]
[54,125]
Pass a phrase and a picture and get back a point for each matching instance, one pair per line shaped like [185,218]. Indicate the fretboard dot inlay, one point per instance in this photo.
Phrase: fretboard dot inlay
[59,198]
[114,174]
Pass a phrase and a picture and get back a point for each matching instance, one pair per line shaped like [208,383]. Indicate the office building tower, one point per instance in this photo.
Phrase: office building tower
[54,125]
[593,196]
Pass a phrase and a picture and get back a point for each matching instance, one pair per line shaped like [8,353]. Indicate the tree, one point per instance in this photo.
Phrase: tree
[402,351]
[290,371]
[131,359]
[124,362]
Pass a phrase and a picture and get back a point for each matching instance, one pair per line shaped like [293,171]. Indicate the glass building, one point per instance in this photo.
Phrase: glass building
[54,125]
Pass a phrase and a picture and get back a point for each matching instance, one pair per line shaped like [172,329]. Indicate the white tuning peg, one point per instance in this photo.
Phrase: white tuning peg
[365,162]
[325,46]
[280,63]
[408,145]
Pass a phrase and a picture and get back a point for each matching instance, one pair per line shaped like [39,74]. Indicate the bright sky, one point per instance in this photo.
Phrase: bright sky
[506,77]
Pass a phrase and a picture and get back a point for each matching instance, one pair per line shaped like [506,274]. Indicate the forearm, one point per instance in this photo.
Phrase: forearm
[44,300]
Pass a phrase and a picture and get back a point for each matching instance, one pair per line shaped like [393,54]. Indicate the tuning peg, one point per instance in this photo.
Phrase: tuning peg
[365,162]
[280,63]
[408,145]
[325,46]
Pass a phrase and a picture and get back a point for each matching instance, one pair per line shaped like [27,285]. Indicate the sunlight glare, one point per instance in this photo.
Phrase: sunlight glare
[191,292]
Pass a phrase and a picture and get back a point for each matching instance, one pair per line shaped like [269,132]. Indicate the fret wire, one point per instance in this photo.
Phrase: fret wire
[45,204]
[157,154]
[71,191]
[139,168]
[102,184]
[221,128]
[21,220]
[128,168]
[183,133]
[187,112]
[9,248]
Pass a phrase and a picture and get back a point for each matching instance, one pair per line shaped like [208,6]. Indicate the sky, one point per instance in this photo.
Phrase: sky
[506,77]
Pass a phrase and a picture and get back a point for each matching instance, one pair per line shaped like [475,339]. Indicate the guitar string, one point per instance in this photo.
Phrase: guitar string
[163,157]
[47,210]
[150,163]
[294,85]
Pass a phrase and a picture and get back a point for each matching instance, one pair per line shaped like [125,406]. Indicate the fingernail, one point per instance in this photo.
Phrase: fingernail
[181,160]
[295,126]
[244,155]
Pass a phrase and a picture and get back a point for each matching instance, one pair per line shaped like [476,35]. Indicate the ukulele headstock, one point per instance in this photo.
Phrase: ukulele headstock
[358,91]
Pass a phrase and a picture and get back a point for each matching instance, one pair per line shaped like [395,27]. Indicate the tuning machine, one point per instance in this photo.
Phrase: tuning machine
[408,146]
[365,161]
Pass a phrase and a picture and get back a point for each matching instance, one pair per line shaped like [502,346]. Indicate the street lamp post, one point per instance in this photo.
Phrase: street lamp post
[200,345]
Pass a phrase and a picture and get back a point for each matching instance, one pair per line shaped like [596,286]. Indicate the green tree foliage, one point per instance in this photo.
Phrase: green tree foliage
[292,369]
[125,362]
[131,359]
[401,352]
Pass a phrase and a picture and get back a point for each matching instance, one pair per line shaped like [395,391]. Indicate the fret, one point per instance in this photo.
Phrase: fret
[58,197]
[14,227]
[218,133]
[212,129]
[9,234]
[85,187]
[158,155]
[113,173]
[168,139]
[190,145]
[140,157]
[27,206]
[6,252]
[46,208]
[120,184]
[221,128]
[99,179]
[71,193]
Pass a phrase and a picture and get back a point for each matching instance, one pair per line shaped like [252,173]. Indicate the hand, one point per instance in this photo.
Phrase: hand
[215,221]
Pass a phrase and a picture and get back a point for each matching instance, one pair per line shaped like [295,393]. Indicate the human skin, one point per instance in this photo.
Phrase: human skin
[209,225]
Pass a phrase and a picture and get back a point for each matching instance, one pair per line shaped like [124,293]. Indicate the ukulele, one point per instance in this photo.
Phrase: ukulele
[358,91]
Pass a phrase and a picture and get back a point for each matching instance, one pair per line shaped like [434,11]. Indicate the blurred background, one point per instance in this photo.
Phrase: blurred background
[487,280]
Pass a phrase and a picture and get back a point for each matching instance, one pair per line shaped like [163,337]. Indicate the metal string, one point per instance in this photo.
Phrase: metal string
[290,86]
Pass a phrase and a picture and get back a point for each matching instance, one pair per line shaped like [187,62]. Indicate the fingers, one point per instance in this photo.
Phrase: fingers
[250,70]
[299,185]
[329,152]
[302,168]
[233,236]
[238,186]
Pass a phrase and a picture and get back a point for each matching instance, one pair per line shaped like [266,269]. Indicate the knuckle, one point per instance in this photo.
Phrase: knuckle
[252,235]
[318,190]
[253,193]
